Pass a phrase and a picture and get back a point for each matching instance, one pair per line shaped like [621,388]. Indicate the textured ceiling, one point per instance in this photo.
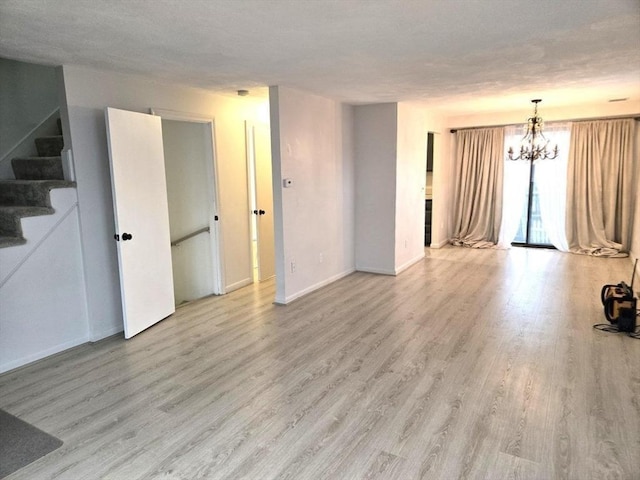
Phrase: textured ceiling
[458,54]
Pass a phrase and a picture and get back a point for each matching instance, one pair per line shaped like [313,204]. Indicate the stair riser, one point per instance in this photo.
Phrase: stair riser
[10,225]
[24,195]
[36,168]
[49,146]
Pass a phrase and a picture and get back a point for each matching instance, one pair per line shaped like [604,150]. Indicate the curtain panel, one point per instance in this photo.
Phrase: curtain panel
[478,190]
[600,187]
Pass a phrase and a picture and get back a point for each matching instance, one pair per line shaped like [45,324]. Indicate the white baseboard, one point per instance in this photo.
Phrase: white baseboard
[379,271]
[439,244]
[237,285]
[21,362]
[107,332]
[411,262]
[290,298]
[394,272]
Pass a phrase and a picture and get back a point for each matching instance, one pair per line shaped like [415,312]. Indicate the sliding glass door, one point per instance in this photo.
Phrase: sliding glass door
[531,230]
[534,194]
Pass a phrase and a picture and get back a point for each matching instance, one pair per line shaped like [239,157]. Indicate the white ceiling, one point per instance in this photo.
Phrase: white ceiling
[458,55]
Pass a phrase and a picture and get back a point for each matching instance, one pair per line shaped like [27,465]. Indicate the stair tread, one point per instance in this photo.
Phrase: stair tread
[35,157]
[46,183]
[6,241]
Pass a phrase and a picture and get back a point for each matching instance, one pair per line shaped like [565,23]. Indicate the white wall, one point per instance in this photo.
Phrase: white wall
[88,92]
[390,185]
[311,145]
[375,139]
[42,309]
[411,167]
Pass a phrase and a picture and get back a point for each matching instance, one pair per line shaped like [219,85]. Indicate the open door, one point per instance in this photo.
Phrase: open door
[260,149]
[142,220]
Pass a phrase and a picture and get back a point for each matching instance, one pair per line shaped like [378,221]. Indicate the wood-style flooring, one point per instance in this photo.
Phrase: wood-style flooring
[478,364]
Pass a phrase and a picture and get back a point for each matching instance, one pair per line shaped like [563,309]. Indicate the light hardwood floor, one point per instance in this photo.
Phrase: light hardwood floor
[471,364]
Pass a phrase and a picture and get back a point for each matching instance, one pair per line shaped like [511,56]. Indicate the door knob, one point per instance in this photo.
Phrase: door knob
[126,236]
[261,212]
[255,212]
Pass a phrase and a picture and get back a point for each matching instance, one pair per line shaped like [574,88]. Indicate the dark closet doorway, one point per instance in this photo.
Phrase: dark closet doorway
[428,196]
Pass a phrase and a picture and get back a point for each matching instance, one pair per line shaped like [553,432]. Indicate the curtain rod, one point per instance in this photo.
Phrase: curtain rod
[618,117]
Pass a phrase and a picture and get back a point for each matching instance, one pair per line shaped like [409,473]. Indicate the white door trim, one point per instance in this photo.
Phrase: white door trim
[216,227]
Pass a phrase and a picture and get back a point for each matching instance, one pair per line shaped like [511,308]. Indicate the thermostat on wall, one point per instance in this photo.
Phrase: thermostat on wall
[287,182]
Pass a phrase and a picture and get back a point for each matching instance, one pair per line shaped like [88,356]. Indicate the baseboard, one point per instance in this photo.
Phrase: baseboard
[394,272]
[408,264]
[439,244]
[379,271]
[21,362]
[237,285]
[107,332]
[290,298]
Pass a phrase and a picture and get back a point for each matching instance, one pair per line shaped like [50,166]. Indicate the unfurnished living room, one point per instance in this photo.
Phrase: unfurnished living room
[319,239]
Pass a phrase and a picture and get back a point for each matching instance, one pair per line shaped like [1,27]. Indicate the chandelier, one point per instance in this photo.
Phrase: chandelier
[534,145]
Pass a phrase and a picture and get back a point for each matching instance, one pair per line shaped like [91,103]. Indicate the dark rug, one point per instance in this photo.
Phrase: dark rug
[21,444]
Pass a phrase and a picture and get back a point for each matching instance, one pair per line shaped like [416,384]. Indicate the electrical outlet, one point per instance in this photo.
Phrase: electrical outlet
[321,257]
[293,267]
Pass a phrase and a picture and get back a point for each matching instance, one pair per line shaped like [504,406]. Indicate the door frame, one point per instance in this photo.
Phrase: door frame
[215,226]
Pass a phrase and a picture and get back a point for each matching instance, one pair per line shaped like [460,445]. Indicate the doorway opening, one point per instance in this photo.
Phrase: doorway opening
[260,201]
[428,192]
[188,144]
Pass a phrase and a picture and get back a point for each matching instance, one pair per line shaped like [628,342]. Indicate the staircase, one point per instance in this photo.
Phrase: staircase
[28,195]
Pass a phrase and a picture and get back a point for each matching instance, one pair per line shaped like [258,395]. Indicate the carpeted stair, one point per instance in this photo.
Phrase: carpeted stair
[28,194]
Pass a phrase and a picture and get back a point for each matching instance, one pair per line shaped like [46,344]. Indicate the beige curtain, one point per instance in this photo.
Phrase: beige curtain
[478,192]
[600,187]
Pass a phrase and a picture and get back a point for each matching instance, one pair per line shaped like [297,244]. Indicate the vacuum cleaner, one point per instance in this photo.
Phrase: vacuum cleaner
[620,304]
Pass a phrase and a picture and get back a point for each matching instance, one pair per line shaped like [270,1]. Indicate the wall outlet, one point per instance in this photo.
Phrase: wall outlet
[293,267]
[321,257]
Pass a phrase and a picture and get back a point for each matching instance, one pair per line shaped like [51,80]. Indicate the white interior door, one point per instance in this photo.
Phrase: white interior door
[142,220]
[264,201]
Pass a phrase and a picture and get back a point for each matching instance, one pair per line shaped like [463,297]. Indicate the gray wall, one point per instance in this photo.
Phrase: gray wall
[28,95]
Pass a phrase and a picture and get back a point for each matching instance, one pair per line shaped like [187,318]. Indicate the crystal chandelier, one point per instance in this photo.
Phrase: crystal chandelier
[534,145]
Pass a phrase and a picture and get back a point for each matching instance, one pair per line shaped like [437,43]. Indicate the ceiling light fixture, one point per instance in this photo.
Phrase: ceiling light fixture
[533,145]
